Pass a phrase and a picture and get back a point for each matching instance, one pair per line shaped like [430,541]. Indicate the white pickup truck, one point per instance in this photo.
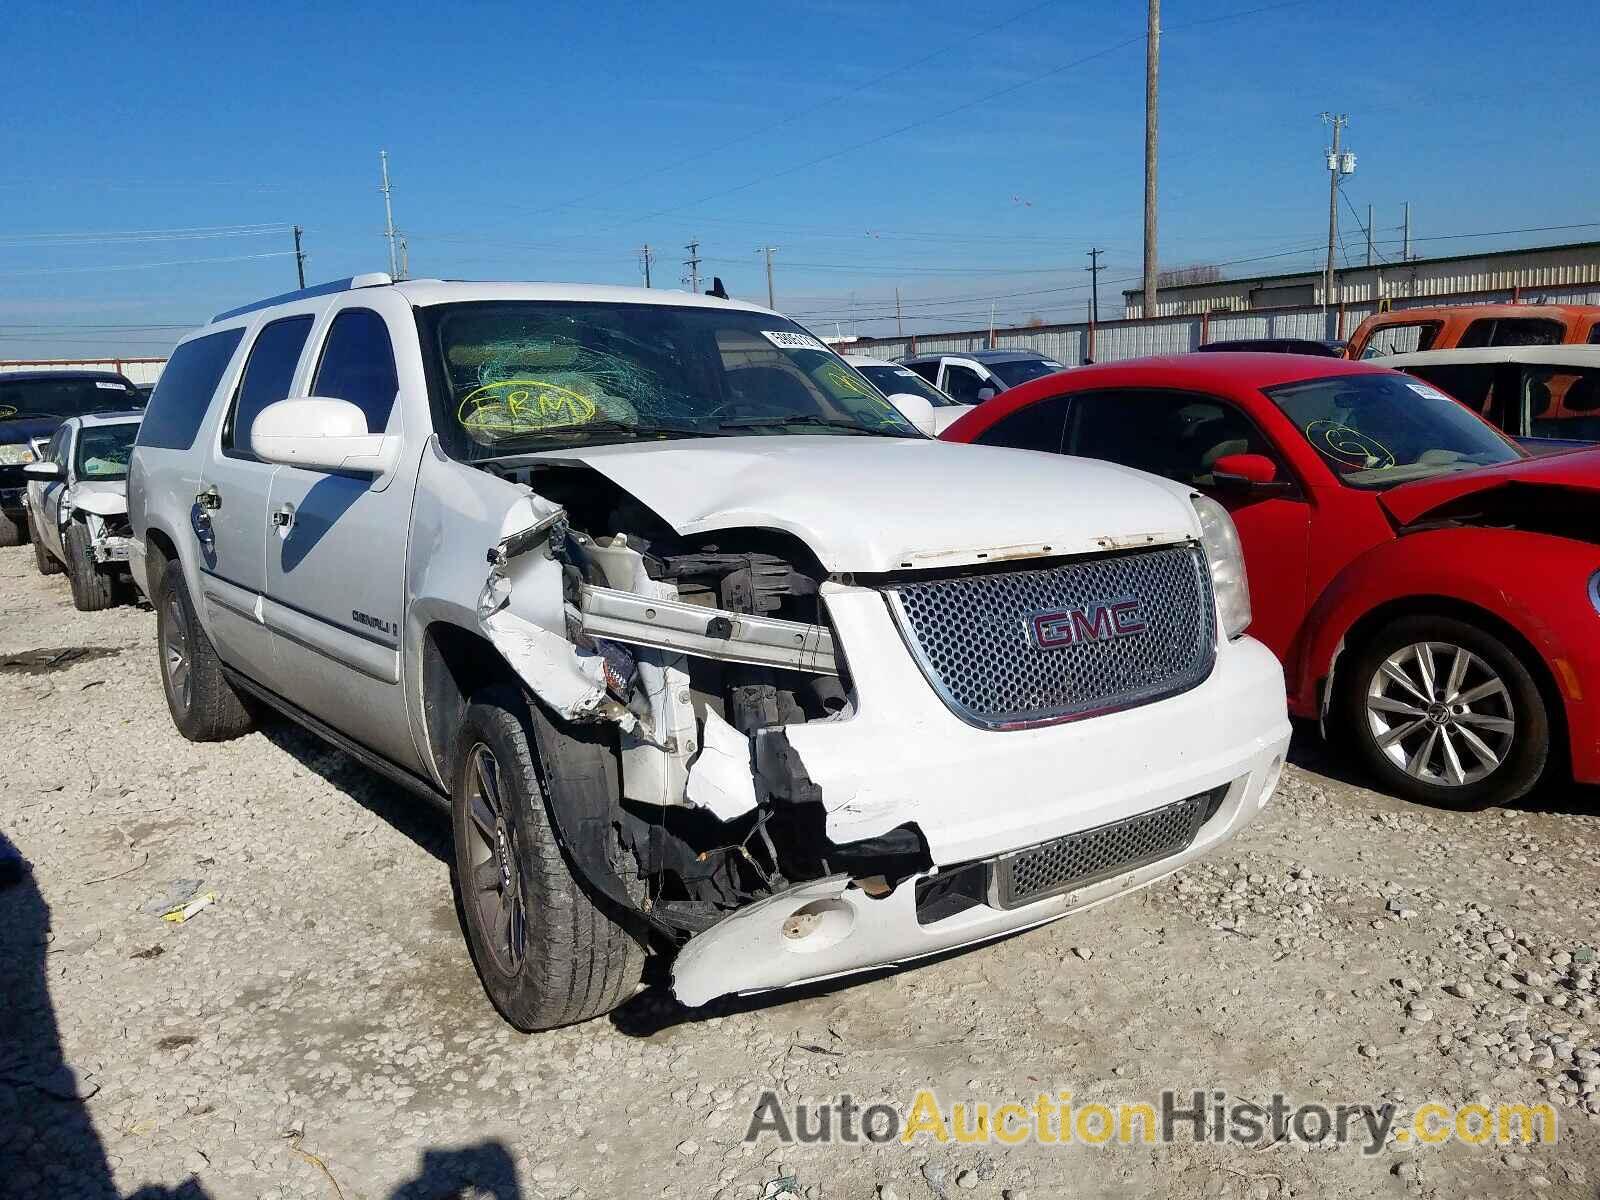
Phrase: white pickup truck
[710,652]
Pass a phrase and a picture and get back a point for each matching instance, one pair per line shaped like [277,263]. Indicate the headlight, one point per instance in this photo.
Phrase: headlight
[16,455]
[1226,556]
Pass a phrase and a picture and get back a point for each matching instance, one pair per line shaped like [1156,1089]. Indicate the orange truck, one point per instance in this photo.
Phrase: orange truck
[1471,326]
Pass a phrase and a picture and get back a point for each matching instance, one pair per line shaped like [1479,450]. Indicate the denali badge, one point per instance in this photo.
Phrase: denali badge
[1099,622]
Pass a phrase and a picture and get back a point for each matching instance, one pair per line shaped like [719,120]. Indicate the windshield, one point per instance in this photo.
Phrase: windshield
[23,398]
[103,450]
[1020,370]
[892,379]
[514,376]
[1378,430]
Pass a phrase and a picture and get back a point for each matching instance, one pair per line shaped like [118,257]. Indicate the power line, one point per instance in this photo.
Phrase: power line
[178,262]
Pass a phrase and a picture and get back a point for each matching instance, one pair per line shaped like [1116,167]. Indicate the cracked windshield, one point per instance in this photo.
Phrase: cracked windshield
[522,376]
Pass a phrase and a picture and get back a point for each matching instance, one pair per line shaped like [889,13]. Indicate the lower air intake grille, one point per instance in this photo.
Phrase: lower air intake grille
[1087,857]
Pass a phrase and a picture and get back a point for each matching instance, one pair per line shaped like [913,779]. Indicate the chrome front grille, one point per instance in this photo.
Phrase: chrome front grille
[1019,648]
[1091,855]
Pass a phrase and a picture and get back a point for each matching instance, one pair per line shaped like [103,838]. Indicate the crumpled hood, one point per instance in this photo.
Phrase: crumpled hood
[104,498]
[1578,471]
[871,504]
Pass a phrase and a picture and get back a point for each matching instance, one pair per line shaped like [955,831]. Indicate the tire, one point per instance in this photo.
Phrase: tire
[546,953]
[204,706]
[13,530]
[47,563]
[92,588]
[1441,753]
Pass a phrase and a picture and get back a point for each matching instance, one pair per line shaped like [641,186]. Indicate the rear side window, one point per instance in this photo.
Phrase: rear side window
[184,392]
[1513,331]
[928,370]
[358,366]
[267,376]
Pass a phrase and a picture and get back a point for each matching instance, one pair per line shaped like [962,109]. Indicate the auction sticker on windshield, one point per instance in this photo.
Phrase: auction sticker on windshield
[1430,393]
[788,339]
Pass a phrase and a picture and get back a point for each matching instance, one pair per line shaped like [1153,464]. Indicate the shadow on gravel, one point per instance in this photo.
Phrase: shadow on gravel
[425,825]
[486,1167]
[1308,751]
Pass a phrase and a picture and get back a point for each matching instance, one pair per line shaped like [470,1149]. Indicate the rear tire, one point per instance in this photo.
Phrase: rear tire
[546,953]
[203,704]
[47,563]
[92,588]
[13,530]
[1469,730]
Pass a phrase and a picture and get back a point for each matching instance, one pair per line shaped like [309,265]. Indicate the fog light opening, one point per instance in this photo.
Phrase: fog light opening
[818,925]
[1270,783]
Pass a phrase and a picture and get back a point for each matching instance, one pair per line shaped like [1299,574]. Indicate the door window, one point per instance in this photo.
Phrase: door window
[1038,427]
[1400,339]
[1513,331]
[1172,434]
[267,376]
[963,383]
[183,394]
[358,365]
[930,370]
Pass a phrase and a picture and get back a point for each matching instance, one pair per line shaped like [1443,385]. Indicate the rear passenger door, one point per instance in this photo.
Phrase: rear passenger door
[235,486]
[336,553]
[964,380]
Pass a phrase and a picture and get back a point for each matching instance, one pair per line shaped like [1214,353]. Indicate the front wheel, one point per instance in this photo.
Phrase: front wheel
[546,953]
[92,588]
[13,530]
[1443,712]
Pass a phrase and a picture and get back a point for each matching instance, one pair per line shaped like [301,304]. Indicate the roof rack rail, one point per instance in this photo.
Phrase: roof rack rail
[371,279]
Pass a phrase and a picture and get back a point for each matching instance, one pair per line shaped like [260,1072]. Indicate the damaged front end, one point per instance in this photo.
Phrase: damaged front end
[701,651]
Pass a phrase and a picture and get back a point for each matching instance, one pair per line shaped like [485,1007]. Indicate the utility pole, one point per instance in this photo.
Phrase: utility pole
[405,256]
[1094,268]
[693,265]
[991,324]
[1337,167]
[388,215]
[645,257]
[899,326]
[769,251]
[1152,66]
[1369,235]
[299,257]
[1405,253]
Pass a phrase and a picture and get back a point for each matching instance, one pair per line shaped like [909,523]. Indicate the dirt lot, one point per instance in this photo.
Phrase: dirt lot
[318,1031]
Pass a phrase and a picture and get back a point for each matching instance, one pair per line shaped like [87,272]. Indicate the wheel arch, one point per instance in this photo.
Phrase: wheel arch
[1368,623]
[455,663]
[159,550]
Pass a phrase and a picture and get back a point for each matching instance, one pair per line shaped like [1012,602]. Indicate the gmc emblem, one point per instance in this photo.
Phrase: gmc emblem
[1100,622]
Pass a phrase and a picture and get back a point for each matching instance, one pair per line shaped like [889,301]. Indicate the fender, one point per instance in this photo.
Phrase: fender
[1538,584]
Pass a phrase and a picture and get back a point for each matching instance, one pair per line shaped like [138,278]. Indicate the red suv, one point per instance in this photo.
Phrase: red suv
[1432,590]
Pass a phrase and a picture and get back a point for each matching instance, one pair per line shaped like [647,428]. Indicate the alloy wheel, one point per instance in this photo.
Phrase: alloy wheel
[1440,713]
[175,653]
[494,882]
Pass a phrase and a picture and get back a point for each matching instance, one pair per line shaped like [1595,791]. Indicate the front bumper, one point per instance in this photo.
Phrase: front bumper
[903,757]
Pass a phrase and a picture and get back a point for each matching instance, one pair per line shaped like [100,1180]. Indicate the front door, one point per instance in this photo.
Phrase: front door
[336,557]
[47,493]
[1180,435]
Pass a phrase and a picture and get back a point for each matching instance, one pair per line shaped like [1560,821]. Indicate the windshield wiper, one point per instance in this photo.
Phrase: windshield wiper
[607,427]
[803,419]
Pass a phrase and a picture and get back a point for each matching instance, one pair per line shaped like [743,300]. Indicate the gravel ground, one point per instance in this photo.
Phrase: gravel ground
[318,1030]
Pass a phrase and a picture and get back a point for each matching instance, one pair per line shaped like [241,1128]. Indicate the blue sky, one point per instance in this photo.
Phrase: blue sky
[965,154]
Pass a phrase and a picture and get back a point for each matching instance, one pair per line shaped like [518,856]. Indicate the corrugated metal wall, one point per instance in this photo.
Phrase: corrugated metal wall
[137,370]
[1114,340]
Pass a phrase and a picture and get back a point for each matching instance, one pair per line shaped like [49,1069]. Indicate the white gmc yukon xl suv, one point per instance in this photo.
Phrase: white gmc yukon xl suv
[708,650]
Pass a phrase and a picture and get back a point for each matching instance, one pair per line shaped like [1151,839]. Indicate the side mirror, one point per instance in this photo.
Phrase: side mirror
[1247,472]
[918,410]
[321,434]
[986,393]
[43,470]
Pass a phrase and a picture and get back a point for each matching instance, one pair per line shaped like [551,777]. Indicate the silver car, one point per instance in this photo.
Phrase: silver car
[77,501]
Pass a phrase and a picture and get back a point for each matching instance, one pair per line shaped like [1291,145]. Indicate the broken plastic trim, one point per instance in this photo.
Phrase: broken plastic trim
[708,632]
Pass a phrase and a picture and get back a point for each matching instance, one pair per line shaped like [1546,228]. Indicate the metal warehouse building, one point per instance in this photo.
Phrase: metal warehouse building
[1525,275]
[1287,305]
